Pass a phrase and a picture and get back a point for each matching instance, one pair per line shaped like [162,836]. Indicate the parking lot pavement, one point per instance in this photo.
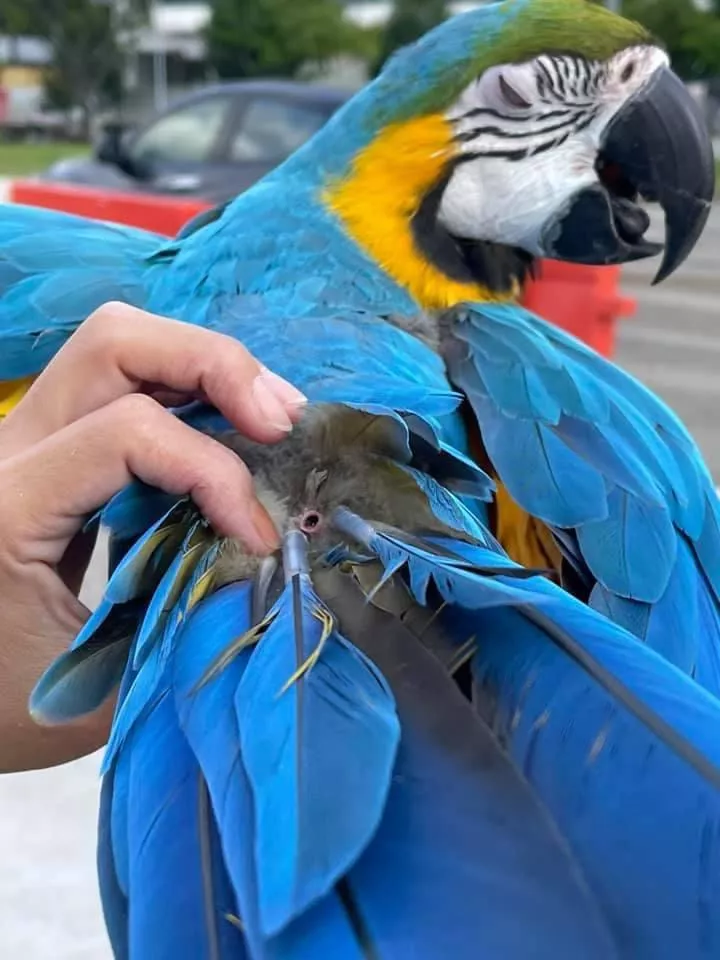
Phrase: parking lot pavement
[673,345]
[49,903]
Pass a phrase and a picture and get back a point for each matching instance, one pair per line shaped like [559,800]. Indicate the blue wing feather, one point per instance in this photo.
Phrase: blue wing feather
[629,481]
[206,711]
[134,509]
[560,487]
[55,270]
[621,746]
[81,679]
[633,550]
[615,460]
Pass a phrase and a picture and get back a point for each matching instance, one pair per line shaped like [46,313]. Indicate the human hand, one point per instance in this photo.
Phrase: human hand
[88,425]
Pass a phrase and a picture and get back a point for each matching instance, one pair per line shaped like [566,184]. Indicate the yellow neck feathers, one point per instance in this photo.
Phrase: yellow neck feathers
[11,393]
[377,200]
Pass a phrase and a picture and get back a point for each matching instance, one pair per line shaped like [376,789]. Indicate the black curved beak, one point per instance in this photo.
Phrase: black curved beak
[657,148]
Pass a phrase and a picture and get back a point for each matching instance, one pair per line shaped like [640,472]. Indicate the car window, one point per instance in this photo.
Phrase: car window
[271,129]
[187,135]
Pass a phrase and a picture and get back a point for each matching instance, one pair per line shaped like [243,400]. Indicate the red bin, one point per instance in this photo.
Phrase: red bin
[585,301]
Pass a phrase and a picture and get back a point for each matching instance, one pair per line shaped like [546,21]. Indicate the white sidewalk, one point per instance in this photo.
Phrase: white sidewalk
[49,902]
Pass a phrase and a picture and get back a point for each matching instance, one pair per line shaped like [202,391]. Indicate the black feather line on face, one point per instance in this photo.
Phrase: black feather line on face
[495,266]
[476,112]
[469,135]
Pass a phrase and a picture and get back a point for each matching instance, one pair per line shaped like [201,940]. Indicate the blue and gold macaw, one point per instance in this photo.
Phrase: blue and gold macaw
[472,709]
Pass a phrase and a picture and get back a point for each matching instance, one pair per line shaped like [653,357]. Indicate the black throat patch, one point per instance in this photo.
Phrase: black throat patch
[493,265]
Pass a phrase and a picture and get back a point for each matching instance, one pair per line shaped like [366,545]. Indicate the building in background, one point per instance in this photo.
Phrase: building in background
[170,52]
[164,59]
[23,61]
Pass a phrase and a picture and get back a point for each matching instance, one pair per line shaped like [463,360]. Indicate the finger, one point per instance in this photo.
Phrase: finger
[27,746]
[120,349]
[49,488]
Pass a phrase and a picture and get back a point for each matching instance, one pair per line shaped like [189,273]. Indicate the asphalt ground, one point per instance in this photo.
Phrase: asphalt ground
[49,907]
[673,343]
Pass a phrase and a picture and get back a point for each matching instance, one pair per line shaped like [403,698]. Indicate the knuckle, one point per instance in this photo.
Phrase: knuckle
[229,355]
[107,315]
[246,361]
[109,324]
[137,413]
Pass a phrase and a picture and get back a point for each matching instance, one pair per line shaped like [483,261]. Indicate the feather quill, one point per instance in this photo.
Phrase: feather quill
[303,728]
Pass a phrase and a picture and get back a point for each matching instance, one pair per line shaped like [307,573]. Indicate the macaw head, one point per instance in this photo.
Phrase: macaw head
[530,128]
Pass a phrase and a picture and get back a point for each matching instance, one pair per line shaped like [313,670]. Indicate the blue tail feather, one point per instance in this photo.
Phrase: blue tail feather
[638,815]
[114,897]
[149,674]
[335,724]
[182,903]
[206,708]
[463,850]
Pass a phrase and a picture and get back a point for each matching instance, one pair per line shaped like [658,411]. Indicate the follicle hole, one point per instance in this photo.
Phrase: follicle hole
[310,521]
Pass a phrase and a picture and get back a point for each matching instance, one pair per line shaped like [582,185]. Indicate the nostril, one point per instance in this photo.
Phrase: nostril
[310,521]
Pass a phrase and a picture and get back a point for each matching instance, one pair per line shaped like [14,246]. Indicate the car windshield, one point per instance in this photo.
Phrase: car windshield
[271,129]
[187,135]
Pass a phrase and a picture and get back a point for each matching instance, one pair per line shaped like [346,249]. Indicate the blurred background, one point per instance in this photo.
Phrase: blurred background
[69,66]
[197,101]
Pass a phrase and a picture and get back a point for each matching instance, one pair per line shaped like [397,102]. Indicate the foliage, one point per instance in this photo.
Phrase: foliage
[691,35]
[409,21]
[87,59]
[15,18]
[266,38]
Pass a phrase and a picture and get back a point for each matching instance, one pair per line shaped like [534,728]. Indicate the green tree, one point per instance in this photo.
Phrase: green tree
[263,38]
[690,35]
[87,57]
[15,18]
[410,19]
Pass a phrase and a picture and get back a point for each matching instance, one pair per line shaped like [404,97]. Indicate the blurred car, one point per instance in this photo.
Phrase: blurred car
[212,144]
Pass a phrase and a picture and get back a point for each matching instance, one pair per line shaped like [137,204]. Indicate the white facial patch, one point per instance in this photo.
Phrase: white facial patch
[528,137]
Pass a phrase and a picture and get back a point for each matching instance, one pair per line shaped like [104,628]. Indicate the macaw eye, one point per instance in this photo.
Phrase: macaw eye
[628,73]
[510,87]
[511,96]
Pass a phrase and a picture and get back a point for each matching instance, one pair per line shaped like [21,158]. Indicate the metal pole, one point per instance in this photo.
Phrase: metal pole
[160,80]
[614,5]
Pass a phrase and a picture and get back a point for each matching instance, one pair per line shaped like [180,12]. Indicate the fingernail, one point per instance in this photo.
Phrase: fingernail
[264,527]
[288,395]
[271,408]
